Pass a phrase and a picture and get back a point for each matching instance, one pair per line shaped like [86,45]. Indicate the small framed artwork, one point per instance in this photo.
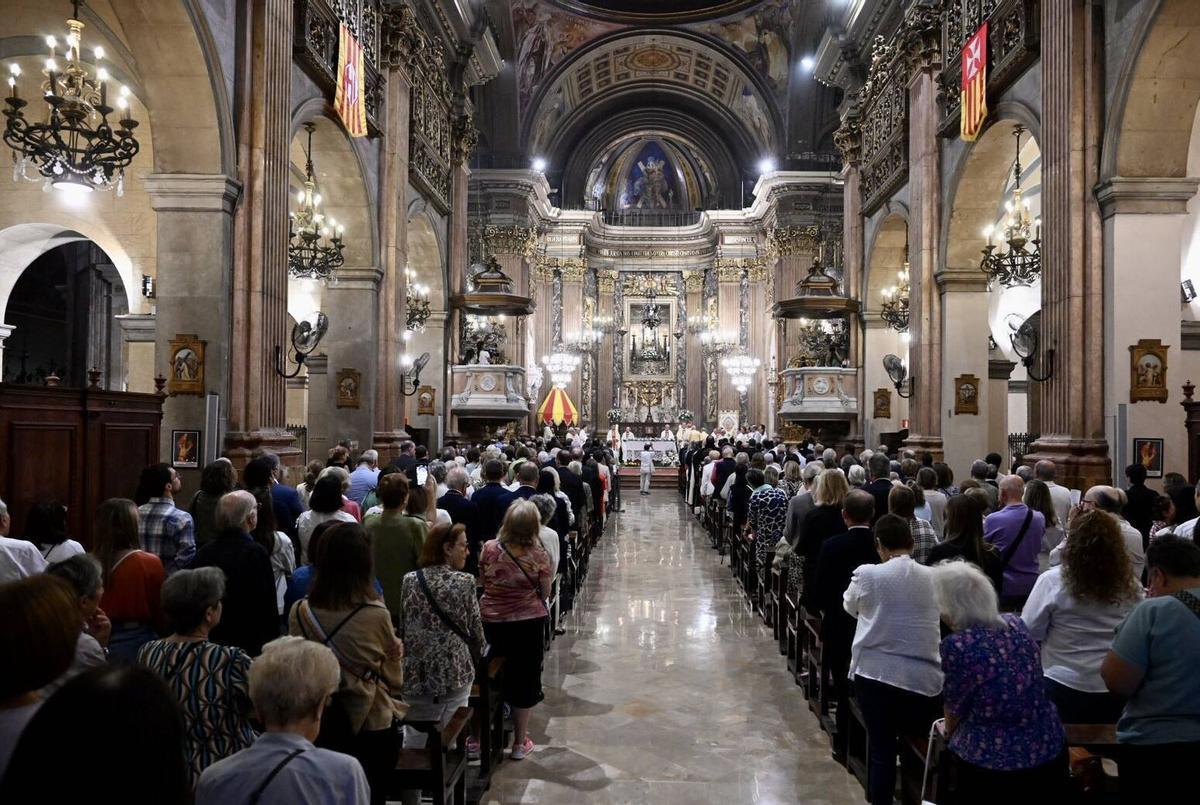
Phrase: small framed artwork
[966,394]
[1149,453]
[883,404]
[187,365]
[1148,371]
[349,385]
[426,397]
[185,449]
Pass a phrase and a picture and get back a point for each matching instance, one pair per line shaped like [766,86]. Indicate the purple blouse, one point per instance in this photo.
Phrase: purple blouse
[994,687]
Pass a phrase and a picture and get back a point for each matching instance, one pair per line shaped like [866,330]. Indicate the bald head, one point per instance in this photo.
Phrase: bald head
[237,510]
[1105,498]
[1011,490]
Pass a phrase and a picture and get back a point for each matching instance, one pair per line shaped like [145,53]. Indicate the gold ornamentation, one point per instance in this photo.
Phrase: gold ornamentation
[1148,371]
[966,394]
[349,387]
[730,269]
[464,138]
[520,240]
[571,268]
[787,241]
[606,280]
[693,281]
[186,374]
[641,284]
[883,404]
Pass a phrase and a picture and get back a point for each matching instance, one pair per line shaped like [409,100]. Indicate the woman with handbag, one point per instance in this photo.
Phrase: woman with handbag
[344,611]
[517,575]
[442,633]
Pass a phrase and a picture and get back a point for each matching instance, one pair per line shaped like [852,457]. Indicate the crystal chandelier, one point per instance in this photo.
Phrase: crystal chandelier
[741,370]
[314,244]
[894,311]
[561,366]
[75,147]
[1018,265]
[417,308]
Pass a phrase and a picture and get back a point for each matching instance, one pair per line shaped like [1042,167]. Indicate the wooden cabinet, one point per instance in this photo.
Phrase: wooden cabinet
[73,445]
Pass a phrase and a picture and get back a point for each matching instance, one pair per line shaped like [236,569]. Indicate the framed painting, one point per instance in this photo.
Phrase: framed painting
[185,449]
[1148,371]
[349,388]
[966,394]
[186,375]
[1149,453]
[426,399]
[883,404]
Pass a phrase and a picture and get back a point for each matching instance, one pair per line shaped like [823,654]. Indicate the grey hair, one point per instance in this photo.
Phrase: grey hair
[575,467]
[857,476]
[187,595]
[370,457]
[965,595]
[81,571]
[811,470]
[829,454]
[546,505]
[457,478]
[979,468]
[340,473]
[438,470]
[1025,472]
[291,678]
[771,475]
[234,507]
[742,458]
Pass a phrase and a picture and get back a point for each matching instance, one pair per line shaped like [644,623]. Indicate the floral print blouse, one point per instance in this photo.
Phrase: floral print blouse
[993,684]
[436,660]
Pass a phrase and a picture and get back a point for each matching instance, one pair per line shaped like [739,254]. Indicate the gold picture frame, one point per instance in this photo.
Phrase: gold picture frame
[426,400]
[349,388]
[883,404]
[966,394]
[1148,371]
[185,374]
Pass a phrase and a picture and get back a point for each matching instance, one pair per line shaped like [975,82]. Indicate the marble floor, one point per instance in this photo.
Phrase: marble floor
[665,690]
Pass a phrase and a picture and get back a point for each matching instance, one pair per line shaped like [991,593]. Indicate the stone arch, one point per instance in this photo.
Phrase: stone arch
[884,254]
[426,258]
[1149,125]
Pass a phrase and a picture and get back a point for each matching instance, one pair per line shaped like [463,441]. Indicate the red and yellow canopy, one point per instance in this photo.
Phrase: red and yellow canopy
[557,408]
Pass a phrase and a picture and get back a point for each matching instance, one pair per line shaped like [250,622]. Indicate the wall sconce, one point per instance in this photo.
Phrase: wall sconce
[1187,291]
[148,286]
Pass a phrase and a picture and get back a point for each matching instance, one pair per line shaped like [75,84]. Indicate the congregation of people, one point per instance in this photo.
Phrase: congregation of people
[991,614]
[262,642]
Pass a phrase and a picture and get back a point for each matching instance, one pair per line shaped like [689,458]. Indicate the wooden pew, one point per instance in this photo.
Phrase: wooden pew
[488,706]
[439,767]
[783,612]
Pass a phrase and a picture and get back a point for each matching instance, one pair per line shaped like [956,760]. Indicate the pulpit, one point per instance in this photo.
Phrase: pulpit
[485,391]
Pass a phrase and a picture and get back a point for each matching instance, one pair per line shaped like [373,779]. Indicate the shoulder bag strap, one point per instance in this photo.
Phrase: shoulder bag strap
[306,613]
[537,588]
[1188,600]
[257,793]
[1007,556]
[450,624]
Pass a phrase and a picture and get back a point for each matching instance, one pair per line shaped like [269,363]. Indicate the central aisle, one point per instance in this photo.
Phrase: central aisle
[665,689]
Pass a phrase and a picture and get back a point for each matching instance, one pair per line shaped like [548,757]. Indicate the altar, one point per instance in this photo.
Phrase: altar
[666,452]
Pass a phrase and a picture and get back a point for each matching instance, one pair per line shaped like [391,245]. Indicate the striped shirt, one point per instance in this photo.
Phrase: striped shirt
[210,681]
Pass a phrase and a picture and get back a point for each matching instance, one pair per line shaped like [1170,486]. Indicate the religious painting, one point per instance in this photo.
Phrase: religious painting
[649,346]
[1148,371]
[651,181]
[544,36]
[1149,453]
[966,394]
[883,404]
[728,422]
[187,365]
[185,449]
[426,396]
[349,386]
[762,37]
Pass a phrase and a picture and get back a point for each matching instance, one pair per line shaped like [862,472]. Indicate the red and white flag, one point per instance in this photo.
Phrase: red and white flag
[349,102]
[974,84]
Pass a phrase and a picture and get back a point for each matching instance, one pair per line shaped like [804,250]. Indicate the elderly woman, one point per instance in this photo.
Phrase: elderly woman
[894,656]
[1000,723]
[325,503]
[517,574]
[766,513]
[856,476]
[344,612]
[290,686]
[564,517]
[792,482]
[547,508]
[442,632]
[208,679]
[82,572]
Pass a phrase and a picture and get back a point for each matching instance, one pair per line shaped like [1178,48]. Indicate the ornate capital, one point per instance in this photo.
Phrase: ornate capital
[464,138]
[920,35]
[606,280]
[403,38]
[848,139]
[568,268]
[786,241]
[693,280]
[731,269]
[520,240]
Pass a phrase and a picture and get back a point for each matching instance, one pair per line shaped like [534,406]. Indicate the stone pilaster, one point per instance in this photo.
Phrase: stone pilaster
[1072,404]
[137,344]
[999,373]
[964,305]
[852,262]
[320,407]
[257,396]
[352,344]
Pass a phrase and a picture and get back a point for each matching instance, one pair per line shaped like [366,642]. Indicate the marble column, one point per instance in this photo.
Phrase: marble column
[999,373]
[1071,417]
[457,260]
[925,347]
[194,226]
[393,218]
[965,351]
[257,394]
[320,407]
[852,268]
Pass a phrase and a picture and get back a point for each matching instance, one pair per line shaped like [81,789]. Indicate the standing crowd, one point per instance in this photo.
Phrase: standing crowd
[997,610]
[270,643]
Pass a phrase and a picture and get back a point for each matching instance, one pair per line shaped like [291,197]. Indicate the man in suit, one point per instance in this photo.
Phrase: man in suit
[723,469]
[880,470]
[491,501]
[527,478]
[285,500]
[569,482]
[836,563]
[462,510]
[407,461]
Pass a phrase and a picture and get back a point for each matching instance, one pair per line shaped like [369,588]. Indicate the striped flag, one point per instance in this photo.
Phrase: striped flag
[349,102]
[973,110]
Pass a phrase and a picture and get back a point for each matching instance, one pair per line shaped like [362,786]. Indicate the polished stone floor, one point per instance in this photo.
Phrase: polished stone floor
[665,690]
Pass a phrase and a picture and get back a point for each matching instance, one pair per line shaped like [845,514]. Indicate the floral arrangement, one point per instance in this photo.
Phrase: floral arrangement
[686,416]
[614,416]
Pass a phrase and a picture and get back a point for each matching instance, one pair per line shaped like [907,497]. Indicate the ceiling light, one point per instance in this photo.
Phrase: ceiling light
[807,64]
[539,164]
[766,165]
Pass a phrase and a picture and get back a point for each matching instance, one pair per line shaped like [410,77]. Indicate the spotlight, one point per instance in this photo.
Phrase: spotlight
[807,64]
[539,164]
[766,165]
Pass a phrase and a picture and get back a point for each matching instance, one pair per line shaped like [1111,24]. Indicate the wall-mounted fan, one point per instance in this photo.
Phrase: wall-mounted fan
[412,373]
[306,335]
[1025,340]
[897,372]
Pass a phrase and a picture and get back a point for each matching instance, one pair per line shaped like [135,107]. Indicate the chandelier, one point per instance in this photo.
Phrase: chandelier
[417,308]
[314,245]
[741,370]
[1018,265]
[894,311]
[561,366]
[75,148]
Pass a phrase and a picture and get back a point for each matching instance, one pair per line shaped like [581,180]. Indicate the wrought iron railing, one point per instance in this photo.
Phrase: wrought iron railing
[661,218]
[301,434]
[1019,445]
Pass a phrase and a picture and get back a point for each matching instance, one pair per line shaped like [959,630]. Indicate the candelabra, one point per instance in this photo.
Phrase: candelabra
[894,310]
[561,367]
[417,309]
[1018,265]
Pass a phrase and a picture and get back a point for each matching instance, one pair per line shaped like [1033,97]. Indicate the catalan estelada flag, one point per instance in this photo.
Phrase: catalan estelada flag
[974,84]
[349,102]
